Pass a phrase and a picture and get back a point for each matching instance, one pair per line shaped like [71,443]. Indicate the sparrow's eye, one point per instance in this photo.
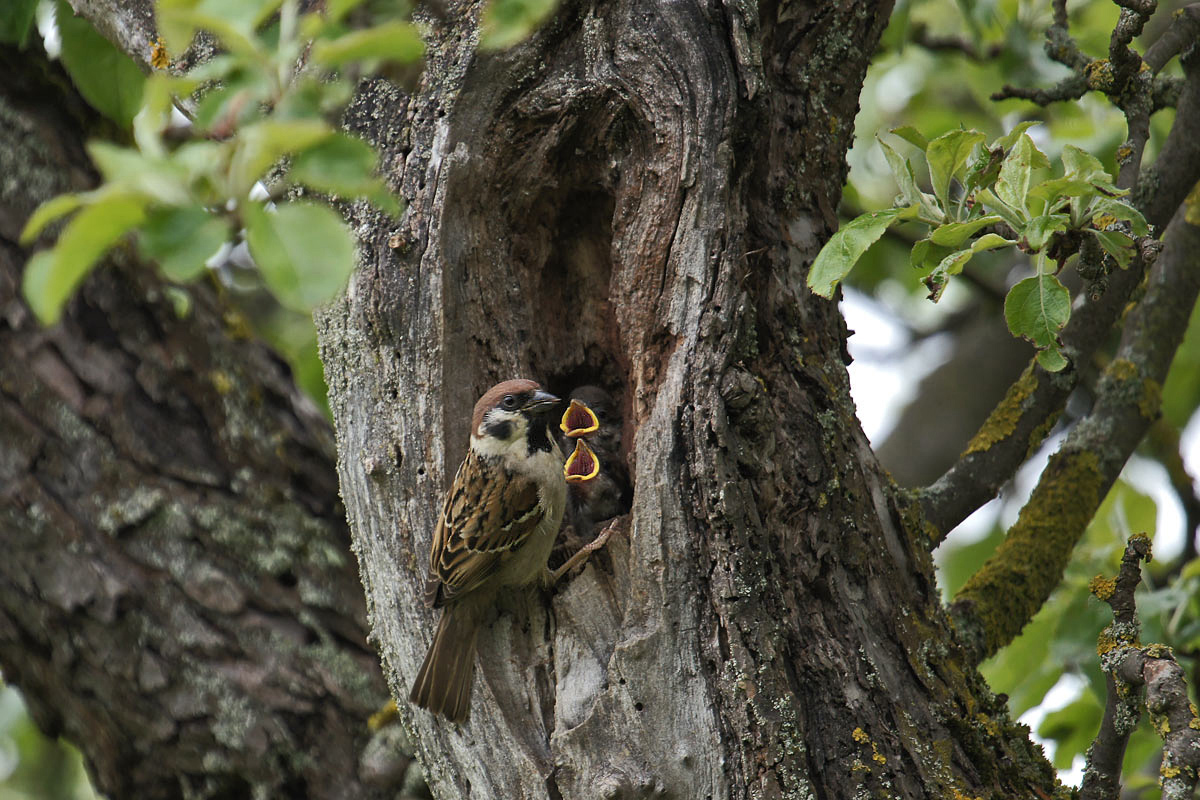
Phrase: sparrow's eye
[508,403]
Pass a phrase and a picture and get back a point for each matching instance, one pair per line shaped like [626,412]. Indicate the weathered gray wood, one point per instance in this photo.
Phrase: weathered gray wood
[630,198]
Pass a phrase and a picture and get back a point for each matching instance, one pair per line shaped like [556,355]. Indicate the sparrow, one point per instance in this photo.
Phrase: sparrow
[609,493]
[495,531]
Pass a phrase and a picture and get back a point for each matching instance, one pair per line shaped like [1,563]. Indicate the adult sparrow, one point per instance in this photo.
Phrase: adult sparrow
[496,529]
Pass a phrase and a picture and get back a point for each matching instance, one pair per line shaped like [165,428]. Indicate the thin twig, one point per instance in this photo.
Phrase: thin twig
[1102,772]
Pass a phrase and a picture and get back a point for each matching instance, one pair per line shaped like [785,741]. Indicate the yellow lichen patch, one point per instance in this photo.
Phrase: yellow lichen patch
[1103,222]
[1169,772]
[1150,400]
[861,737]
[1192,204]
[221,382]
[1143,540]
[1122,369]
[158,54]
[1158,650]
[1004,418]
[1005,593]
[386,714]
[1124,152]
[1100,75]
[963,796]
[1102,587]
[1106,642]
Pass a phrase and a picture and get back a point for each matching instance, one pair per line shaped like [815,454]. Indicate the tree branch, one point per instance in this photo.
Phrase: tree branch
[1032,406]
[1012,585]
[1102,775]
[1129,666]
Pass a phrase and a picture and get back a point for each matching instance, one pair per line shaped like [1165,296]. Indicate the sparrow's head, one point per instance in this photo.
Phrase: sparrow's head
[512,412]
[602,404]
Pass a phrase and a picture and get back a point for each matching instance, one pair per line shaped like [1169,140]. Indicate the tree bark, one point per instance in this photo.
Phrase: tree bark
[177,593]
[631,198]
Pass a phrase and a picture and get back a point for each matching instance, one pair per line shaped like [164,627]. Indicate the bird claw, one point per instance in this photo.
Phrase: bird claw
[583,553]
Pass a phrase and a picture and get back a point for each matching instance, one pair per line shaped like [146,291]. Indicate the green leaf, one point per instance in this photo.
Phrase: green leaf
[902,171]
[939,279]
[947,154]
[1079,163]
[911,135]
[1036,309]
[107,78]
[392,41]
[1012,187]
[344,166]
[507,22]
[262,144]
[52,275]
[232,21]
[181,240]
[49,211]
[984,170]
[953,264]
[1052,359]
[993,204]
[1121,210]
[990,241]
[1009,139]
[17,22]
[926,254]
[847,245]
[1054,188]
[1039,229]
[953,234]
[156,178]
[1117,245]
[1082,165]
[304,251]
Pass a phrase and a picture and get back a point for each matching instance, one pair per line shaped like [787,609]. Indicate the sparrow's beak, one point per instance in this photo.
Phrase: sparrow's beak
[582,465]
[540,403]
[578,420]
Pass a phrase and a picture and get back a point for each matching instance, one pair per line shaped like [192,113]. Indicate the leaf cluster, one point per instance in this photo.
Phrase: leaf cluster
[991,196]
[190,191]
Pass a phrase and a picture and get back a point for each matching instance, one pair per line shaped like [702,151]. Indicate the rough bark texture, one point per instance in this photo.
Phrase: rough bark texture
[177,593]
[631,198]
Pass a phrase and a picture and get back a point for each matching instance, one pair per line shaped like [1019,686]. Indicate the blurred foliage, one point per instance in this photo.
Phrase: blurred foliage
[507,22]
[33,767]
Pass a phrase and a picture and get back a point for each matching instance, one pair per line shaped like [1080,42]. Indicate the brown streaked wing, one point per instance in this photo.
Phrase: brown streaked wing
[489,511]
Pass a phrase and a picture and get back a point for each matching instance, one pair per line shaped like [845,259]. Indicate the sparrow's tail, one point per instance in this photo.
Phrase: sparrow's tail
[443,684]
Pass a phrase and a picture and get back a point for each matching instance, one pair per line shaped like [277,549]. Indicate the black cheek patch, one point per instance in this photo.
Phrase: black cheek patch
[501,429]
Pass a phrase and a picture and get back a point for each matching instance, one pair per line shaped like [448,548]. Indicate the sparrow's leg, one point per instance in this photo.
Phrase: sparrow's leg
[581,555]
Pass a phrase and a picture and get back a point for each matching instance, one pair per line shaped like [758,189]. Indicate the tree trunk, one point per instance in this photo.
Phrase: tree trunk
[631,198]
[177,593]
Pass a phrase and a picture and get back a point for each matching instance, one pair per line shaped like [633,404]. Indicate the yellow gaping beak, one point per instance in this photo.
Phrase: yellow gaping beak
[578,420]
[582,465]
